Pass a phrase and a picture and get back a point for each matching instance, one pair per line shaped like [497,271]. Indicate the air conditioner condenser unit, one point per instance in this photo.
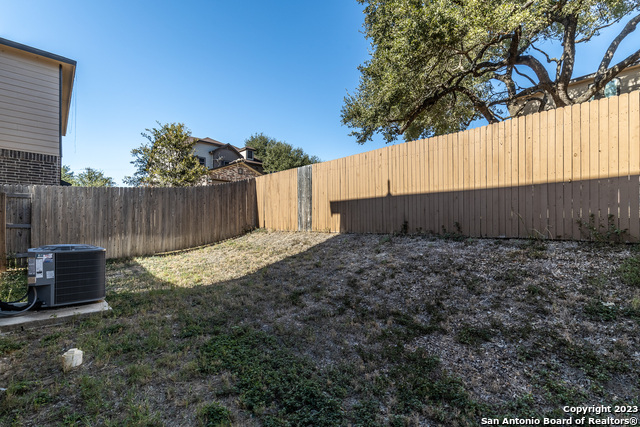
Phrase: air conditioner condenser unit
[67,274]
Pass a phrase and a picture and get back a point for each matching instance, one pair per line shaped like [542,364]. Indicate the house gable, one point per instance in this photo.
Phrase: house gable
[215,154]
[235,171]
[35,98]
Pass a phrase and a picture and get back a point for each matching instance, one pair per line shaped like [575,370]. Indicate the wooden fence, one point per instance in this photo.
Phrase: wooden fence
[127,221]
[569,173]
[15,214]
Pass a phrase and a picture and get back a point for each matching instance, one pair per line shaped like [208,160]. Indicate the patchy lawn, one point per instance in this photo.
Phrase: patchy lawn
[320,329]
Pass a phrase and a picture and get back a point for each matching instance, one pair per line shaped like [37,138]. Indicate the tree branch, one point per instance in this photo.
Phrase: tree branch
[480,105]
[611,50]
[596,30]
[524,75]
[568,59]
[607,76]
[544,82]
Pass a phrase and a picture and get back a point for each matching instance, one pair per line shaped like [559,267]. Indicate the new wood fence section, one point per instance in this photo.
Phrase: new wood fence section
[277,198]
[130,221]
[539,175]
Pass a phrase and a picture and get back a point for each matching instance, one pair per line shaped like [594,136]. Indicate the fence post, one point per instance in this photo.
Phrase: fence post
[3,232]
[304,198]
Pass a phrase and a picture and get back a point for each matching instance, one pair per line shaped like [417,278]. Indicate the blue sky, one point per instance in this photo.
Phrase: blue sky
[225,69]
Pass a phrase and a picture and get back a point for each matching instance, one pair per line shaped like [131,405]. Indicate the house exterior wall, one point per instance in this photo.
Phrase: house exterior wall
[629,81]
[245,153]
[21,167]
[224,155]
[29,103]
[233,173]
[202,150]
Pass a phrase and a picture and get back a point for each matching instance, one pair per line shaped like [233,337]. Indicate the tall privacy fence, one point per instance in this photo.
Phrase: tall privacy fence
[125,221]
[569,173]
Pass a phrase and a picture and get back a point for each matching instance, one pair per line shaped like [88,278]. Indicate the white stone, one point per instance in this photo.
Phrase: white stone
[71,359]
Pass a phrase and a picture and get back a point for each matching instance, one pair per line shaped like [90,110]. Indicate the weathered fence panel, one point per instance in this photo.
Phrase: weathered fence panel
[127,221]
[570,173]
[16,224]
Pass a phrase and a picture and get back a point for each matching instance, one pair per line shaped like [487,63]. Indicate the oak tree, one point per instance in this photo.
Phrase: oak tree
[438,65]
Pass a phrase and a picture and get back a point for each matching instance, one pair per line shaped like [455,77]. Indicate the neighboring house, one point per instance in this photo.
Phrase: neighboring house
[35,95]
[227,162]
[626,81]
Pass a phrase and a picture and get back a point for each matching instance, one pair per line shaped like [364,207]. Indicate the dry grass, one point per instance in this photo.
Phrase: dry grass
[320,329]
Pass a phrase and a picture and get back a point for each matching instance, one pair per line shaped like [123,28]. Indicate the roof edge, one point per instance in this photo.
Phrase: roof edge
[36,51]
[238,162]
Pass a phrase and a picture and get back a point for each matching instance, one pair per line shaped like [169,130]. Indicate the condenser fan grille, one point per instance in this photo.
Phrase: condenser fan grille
[79,276]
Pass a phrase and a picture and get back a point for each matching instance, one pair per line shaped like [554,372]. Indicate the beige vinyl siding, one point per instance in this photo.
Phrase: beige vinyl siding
[629,82]
[202,150]
[29,103]
[220,156]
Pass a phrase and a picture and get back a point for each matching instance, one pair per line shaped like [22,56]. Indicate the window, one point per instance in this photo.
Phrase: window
[249,154]
[202,161]
[612,88]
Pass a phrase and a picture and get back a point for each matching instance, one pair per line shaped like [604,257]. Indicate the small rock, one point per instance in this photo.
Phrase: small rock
[71,359]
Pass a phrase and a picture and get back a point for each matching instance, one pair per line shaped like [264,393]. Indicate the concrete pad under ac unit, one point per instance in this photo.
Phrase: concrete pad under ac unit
[52,316]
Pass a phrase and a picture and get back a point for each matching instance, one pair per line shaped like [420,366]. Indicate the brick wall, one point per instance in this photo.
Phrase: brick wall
[233,173]
[20,167]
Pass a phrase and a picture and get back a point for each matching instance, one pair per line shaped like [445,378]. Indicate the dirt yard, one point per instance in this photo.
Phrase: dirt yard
[324,329]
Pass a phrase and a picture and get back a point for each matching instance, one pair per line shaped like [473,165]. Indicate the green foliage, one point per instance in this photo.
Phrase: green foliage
[456,235]
[597,310]
[214,415]
[168,159]
[87,178]
[593,364]
[629,271]
[271,377]
[7,345]
[593,230]
[277,155]
[93,178]
[436,66]
[474,335]
[13,284]
[67,175]
[558,392]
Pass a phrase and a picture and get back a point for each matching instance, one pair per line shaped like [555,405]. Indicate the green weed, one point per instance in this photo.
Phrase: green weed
[474,335]
[597,310]
[512,276]
[455,235]
[13,284]
[7,345]
[214,415]
[138,373]
[269,376]
[629,271]
[597,367]
[595,230]
[558,392]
